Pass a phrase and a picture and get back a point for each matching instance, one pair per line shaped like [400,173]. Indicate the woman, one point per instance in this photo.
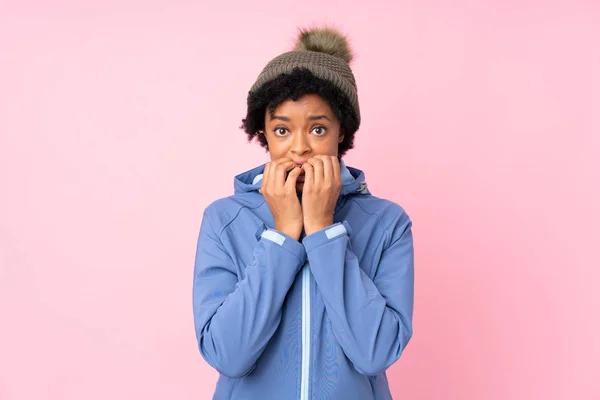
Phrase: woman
[303,281]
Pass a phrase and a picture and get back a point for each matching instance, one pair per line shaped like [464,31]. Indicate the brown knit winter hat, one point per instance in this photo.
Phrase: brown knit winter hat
[323,51]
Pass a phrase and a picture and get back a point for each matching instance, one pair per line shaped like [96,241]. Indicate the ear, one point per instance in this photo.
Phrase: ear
[341,137]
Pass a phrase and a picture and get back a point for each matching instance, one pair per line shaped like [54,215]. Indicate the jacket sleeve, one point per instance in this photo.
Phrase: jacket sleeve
[235,319]
[371,319]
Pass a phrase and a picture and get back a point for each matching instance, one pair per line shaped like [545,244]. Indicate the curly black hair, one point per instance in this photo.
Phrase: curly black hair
[293,86]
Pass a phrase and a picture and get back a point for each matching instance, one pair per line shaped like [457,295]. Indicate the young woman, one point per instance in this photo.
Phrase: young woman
[304,281]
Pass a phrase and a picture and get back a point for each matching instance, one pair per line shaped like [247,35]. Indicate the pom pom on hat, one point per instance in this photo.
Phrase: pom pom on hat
[325,40]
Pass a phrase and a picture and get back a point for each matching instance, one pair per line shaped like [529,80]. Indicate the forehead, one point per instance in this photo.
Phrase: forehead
[308,103]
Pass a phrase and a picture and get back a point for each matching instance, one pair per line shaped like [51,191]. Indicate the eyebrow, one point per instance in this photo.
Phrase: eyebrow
[316,117]
[313,118]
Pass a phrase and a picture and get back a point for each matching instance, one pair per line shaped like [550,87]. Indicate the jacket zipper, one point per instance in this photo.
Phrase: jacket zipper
[305,332]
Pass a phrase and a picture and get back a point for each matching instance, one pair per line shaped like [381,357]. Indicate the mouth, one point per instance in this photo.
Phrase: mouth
[300,178]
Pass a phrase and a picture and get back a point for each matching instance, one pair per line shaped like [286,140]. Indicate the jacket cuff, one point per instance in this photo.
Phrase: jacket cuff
[280,239]
[326,235]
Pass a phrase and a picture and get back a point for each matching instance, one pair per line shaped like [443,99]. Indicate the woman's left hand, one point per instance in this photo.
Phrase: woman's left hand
[322,185]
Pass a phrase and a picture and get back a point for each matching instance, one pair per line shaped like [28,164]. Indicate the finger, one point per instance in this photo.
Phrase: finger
[281,172]
[274,165]
[318,170]
[309,176]
[327,169]
[337,174]
[292,178]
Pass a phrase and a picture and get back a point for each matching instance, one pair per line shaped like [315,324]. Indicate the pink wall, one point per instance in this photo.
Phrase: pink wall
[118,125]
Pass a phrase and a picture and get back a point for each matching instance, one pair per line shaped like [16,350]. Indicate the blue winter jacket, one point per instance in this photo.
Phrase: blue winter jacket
[322,318]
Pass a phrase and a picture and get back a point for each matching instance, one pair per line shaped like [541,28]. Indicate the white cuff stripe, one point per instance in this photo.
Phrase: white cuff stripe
[273,237]
[335,231]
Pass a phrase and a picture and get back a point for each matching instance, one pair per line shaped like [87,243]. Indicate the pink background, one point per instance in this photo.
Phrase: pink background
[119,124]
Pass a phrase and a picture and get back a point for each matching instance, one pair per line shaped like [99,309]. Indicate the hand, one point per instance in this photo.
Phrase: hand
[322,185]
[281,196]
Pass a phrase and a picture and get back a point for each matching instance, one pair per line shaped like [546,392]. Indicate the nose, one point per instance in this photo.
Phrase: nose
[300,145]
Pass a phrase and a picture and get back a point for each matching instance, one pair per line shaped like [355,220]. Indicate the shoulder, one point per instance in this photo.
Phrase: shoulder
[386,210]
[392,217]
[224,211]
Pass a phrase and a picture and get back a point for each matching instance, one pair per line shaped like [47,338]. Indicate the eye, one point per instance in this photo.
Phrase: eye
[280,131]
[319,130]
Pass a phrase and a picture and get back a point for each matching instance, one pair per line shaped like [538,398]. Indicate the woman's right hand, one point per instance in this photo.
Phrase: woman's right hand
[281,196]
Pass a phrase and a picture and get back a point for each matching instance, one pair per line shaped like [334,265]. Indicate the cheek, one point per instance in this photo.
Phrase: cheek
[273,154]
[276,149]
[334,142]
[328,147]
